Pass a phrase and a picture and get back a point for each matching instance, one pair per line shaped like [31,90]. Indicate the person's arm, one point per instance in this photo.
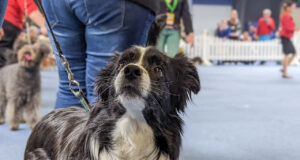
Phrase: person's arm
[39,20]
[272,24]
[35,15]
[187,21]
[1,33]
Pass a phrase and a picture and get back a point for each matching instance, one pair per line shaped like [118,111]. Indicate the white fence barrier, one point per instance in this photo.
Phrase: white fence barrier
[212,48]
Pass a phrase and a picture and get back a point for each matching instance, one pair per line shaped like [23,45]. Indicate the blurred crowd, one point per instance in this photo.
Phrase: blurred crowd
[262,30]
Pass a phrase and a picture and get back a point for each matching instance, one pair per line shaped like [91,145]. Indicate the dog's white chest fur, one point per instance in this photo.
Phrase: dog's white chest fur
[133,138]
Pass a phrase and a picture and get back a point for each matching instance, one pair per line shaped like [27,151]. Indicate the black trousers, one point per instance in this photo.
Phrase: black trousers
[11,33]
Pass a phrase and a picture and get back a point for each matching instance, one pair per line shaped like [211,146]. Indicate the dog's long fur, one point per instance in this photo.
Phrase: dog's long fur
[137,117]
[20,87]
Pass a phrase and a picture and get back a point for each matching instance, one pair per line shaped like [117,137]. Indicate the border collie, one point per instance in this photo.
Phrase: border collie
[137,117]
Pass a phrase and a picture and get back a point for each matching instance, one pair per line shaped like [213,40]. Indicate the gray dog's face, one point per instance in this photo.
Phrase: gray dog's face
[31,55]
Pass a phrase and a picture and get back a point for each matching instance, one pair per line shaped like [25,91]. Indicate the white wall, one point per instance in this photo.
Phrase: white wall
[296,16]
[208,16]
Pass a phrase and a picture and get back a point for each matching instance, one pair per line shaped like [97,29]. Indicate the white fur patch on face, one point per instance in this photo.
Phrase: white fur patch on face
[134,107]
[142,55]
[118,81]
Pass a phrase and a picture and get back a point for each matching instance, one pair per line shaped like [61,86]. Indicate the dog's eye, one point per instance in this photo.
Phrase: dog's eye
[158,70]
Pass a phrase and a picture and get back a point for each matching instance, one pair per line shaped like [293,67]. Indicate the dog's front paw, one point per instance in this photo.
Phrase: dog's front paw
[2,120]
[14,127]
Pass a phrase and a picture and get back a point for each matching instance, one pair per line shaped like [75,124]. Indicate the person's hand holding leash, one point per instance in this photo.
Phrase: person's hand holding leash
[44,31]
[1,33]
[190,39]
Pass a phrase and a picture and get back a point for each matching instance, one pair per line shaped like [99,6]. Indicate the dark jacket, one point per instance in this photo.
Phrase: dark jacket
[153,5]
[181,11]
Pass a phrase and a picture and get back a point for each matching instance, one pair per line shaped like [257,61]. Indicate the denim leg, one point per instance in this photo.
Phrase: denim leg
[69,32]
[89,32]
[131,28]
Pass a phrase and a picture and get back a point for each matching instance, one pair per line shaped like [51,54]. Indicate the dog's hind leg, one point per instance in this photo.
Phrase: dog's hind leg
[12,115]
[32,112]
[3,104]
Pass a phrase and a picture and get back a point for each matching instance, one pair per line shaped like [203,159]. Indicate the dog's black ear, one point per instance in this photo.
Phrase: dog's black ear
[105,77]
[154,32]
[186,81]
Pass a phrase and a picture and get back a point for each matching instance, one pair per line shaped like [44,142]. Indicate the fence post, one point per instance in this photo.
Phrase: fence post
[296,41]
[205,51]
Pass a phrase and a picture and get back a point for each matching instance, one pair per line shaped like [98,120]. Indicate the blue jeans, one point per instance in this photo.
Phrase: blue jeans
[89,32]
[3,4]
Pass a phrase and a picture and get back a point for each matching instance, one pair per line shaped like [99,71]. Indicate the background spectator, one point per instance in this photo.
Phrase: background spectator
[252,32]
[223,31]
[286,33]
[13,20]
[170,36]
[266,26]
[234,25]
[246,37]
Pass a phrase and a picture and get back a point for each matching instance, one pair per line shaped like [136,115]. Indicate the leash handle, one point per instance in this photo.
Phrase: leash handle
[26,23]
[63,60]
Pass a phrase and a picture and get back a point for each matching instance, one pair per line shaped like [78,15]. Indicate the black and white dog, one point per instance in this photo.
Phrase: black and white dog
[141,95]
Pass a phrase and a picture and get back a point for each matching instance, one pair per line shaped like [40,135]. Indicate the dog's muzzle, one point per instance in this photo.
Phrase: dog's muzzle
[133,80]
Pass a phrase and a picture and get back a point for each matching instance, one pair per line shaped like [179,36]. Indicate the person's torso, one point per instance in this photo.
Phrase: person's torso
[234,26]
[287,26]
[14,14]
[264,27]
[177,11]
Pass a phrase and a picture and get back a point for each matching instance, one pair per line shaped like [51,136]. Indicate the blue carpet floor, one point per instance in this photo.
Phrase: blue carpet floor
[242,113]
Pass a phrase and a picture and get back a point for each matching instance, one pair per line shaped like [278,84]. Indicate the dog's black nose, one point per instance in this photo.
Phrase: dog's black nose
[132,72]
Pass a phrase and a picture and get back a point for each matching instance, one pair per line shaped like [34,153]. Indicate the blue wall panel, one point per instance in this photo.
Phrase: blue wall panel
[213,2]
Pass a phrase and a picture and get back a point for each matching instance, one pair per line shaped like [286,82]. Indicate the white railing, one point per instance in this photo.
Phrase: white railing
[212,48]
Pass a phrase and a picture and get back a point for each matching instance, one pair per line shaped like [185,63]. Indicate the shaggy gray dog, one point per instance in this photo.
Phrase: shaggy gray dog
[20,87]
[7,56]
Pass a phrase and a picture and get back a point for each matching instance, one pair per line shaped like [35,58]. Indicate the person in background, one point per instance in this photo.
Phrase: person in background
[246,37]
[266,26]
[170,36]
[252,32]
[286,33]
[90,32]
[13,20]
[234,25]
[223,31]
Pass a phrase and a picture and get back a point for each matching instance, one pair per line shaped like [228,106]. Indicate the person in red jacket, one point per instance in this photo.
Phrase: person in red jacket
[13,20]
[286,33]
[266,26]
